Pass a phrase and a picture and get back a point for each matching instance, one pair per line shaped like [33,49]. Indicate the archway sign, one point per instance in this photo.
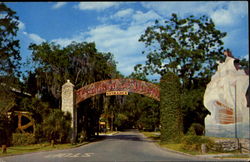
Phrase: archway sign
[70,97]
[127,85]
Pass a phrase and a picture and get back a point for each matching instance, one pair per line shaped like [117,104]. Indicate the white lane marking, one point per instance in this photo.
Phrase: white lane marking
[68,155]
[76,155]
[87,154]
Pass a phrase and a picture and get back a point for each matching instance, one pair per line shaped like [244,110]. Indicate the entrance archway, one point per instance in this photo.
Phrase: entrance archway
[129,85]
[71,97]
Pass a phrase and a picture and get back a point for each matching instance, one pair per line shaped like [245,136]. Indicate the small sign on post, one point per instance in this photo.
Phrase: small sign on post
[110,93]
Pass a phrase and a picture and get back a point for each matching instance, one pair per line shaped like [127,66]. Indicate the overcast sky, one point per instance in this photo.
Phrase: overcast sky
[116,26]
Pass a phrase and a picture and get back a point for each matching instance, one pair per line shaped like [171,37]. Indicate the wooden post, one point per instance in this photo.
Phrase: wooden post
[52,143]
[4,149]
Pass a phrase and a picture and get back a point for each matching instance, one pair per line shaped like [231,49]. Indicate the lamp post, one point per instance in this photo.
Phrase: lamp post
[235,116]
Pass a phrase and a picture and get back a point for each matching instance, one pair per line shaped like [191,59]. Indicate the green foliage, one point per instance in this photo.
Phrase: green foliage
[9,47]
[23,139]
[121,120]
[149,118]
[36,107]
[244,63]
[171,114]
[39,134]
[7,99]
[81,63]
[56,126]
[9,66]
[187,47]
[192,108]
[194,142]
[196,129]
[143,115]
[88,114]
[139,73]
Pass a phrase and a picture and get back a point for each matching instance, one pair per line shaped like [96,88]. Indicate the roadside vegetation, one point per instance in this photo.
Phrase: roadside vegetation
[191,144]
[15,150]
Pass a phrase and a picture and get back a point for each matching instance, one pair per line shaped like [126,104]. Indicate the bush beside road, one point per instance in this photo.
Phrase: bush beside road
[179,147]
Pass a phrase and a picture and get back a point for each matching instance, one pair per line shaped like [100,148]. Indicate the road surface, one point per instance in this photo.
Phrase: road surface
[124,146]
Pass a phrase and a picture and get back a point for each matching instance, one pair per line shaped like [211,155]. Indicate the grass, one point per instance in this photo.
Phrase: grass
[15,150]
[172,146]
[152,135]
[179,146]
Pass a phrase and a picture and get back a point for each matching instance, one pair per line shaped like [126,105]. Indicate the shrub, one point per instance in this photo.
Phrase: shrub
[57,126]
[39,134]
[193,142]
[196,129]
[23,139]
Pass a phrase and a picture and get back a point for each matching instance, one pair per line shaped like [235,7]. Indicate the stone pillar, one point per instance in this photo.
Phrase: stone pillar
[68,105]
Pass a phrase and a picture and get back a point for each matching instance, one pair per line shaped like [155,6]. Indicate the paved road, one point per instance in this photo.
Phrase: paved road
[124,146]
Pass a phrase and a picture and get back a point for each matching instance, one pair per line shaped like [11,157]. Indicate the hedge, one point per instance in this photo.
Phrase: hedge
[171,114]
[23,139]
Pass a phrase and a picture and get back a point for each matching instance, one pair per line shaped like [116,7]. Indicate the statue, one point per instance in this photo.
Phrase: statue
[227,99]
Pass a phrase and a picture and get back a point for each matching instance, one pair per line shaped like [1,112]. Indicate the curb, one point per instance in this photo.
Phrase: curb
[224,156]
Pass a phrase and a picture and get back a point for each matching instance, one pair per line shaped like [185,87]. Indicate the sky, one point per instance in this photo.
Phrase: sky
[117,26]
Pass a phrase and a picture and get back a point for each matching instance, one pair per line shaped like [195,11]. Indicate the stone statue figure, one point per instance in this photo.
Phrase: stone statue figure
[226,98]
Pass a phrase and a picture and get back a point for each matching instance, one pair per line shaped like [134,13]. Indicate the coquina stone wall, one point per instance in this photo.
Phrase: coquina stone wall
[227,145]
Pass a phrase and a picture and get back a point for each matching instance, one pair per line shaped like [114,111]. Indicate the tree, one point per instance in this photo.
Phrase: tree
[128,112]
[81,63]
[244,64]
[9,47]
[149,118]
[9,64]
[9,55]
[188,47]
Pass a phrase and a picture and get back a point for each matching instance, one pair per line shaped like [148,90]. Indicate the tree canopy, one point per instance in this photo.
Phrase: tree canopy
[81,63]
[188,47]
[9,64]
[9,46]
